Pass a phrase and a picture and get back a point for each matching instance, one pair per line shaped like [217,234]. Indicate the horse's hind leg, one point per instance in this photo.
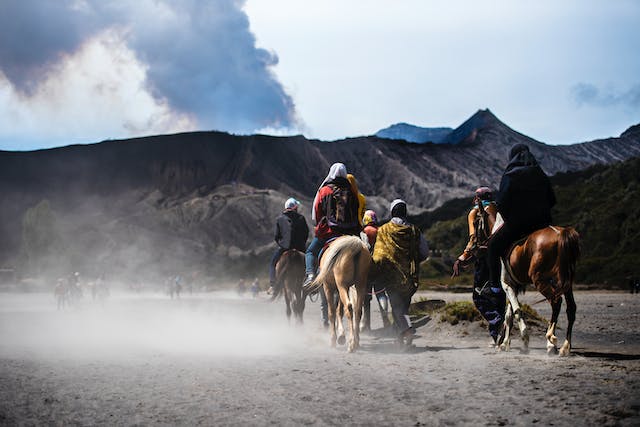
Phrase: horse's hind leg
[505,340]
[287,301]
[571,318]
[552,339]
[337,302]
[331,312]
[347,306]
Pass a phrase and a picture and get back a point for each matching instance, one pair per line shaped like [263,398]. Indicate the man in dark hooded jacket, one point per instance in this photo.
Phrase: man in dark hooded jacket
[524,200]
[291,232]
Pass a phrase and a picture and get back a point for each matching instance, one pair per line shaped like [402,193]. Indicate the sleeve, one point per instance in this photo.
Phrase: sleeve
[472,235]
[276,232]
[305,229]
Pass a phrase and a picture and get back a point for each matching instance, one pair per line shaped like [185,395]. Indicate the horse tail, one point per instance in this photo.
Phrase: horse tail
[281,267]
[568,255]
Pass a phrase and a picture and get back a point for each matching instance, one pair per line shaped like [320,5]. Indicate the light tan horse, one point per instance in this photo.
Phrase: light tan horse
[547,259]
[290,272]
[345,264]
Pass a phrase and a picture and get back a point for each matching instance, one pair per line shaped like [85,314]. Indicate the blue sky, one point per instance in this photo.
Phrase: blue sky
[80,71]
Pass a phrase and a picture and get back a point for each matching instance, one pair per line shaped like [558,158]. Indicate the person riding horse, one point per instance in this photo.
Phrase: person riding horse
[335,213]
[524,201]
[481,220]
[291,232]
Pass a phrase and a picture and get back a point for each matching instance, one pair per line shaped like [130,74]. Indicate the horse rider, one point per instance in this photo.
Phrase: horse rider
[335,213]
[481,220]
[291,232]
[524,201]
[399,249]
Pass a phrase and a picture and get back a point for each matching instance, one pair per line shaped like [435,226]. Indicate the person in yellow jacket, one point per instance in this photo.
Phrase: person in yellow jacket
[362,201]
[399,249]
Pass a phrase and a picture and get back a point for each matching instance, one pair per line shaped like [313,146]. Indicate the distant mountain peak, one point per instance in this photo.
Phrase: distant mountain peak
[412,133]
[467,131]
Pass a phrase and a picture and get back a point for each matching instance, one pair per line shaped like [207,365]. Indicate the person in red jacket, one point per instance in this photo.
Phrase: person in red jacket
[335,213]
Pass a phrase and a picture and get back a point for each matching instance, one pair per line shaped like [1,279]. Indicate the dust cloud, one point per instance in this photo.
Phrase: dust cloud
[220,323]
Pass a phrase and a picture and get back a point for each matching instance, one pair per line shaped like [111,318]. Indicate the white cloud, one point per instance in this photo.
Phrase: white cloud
[96,93]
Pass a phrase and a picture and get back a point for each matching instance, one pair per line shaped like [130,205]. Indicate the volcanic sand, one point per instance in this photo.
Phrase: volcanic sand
[223,359]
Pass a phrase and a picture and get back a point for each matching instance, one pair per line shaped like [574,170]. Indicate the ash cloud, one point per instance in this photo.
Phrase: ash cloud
[200,58]
[589,94]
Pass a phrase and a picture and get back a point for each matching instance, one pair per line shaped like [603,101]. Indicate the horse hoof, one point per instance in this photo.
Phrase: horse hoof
[341,340]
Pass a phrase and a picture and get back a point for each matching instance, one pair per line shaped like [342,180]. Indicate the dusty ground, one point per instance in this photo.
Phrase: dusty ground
[219,359]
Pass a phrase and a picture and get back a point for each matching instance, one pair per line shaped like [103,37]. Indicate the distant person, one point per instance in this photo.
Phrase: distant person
[291,232]
[524,201]
[241,287]
[399,249]
[481,220]
[255,288]
[334,212]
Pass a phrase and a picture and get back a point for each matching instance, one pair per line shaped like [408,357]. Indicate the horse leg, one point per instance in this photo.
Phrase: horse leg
[348,312]
[298,305]
[515,308]
[571,318]
[335,300]
[331,311]
[505,345]
[287,301]
[552,339]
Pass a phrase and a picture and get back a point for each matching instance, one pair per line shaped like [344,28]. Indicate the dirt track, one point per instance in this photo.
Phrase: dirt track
[218,359]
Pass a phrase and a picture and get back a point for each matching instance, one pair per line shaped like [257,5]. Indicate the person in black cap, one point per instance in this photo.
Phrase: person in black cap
[524,200]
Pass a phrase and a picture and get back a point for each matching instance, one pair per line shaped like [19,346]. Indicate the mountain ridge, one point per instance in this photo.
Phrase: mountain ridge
[198,199]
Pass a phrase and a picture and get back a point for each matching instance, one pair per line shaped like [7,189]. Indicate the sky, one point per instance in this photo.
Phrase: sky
[82,71]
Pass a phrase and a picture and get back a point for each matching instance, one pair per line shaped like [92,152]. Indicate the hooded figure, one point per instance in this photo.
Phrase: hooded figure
[291,232]
[524,200]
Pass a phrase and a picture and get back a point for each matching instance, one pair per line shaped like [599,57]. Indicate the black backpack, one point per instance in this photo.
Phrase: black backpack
[342,209]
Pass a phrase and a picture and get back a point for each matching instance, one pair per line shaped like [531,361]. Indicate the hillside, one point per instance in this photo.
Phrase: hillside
[197,201]
[601,202]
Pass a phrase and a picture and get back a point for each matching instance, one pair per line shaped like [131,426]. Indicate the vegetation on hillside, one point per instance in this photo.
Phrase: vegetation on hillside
[602,203]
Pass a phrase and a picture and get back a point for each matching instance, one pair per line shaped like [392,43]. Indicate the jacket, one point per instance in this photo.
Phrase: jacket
[472,245]
[322,229]
[291,230]
[525,197]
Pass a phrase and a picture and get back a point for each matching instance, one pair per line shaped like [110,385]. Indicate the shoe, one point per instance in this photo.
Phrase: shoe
[308,280]
[270,291]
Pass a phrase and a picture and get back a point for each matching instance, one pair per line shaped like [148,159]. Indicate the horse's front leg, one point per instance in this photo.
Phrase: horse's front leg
[505,343]
[571,318]
[515,308]
[552,339]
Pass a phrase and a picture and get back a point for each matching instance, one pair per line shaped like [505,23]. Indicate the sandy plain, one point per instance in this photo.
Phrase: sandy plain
[222,359]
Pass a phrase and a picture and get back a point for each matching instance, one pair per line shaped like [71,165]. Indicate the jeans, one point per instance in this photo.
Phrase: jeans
[311,255]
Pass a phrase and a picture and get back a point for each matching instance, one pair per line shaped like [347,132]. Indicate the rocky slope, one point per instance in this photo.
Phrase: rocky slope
[196,200]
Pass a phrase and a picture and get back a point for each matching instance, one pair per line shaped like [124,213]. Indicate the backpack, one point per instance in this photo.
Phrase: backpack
[342,209]
[482,230]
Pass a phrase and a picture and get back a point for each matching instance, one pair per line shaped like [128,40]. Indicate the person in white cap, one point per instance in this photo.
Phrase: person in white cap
[291,232]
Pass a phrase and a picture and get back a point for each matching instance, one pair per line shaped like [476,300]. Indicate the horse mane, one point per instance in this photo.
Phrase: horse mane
[568,254]
[342,247]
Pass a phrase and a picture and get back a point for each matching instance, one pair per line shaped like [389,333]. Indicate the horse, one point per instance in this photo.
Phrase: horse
[547,259]
[290,272]
[344,264]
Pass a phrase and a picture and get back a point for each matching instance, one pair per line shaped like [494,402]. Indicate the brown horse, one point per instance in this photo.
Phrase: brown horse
[345,264]
[290,272]
[547,259]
